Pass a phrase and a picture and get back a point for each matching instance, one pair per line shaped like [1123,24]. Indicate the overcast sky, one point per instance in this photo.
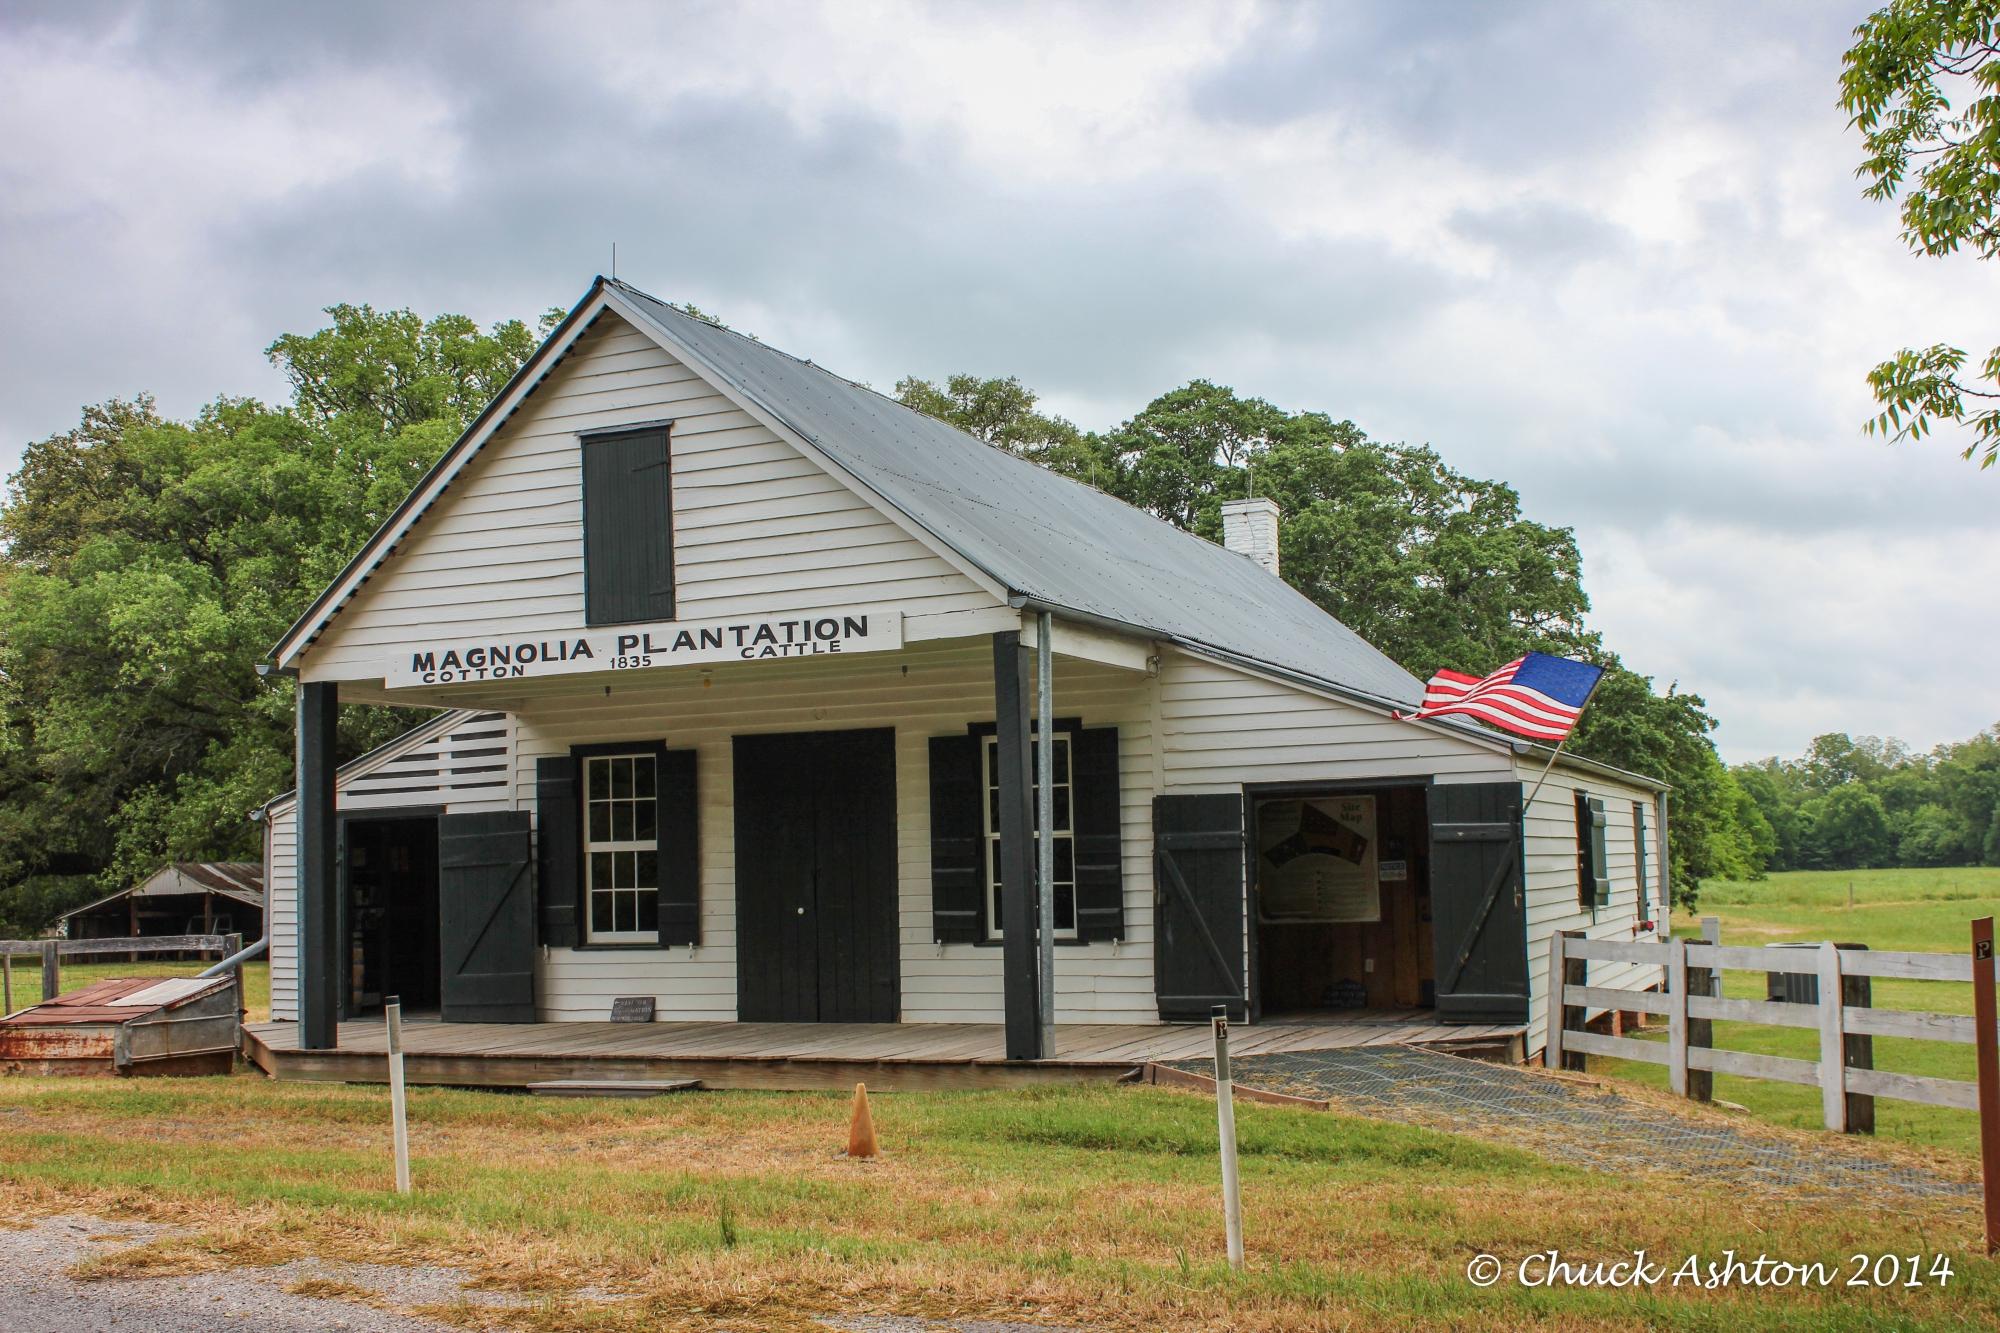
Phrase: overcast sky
[1613,254]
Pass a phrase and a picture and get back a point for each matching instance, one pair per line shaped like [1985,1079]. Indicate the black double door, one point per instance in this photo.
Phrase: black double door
[816,878]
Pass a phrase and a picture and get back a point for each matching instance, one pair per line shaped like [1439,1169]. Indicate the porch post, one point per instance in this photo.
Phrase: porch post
[319,951]
[1019,965]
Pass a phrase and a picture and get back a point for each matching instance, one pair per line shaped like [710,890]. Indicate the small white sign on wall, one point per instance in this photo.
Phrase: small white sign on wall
[791,634]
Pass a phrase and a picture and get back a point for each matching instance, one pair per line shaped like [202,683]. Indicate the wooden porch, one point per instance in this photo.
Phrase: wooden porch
[795,1056]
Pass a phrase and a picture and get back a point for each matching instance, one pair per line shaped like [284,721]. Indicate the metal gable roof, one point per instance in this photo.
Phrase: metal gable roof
[1049,540]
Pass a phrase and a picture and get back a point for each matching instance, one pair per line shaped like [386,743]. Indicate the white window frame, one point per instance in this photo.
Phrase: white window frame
[617,846]
[989,766]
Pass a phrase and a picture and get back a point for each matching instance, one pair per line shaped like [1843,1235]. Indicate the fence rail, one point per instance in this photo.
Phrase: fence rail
[52,952]
[1842,1013]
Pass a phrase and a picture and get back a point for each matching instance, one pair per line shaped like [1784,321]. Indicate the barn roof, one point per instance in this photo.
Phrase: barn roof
[1047,542]
[240,880]
[1047,539]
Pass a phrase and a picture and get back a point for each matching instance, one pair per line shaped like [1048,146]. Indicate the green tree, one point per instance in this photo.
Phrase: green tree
[149,565]
[1004,413]
[1846,829]
[1922,84]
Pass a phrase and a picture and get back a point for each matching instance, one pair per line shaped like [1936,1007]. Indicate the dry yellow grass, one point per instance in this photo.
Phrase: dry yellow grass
[1089,1206]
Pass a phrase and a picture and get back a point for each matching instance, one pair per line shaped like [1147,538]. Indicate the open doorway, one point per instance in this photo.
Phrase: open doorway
[389,902]
[1340,887]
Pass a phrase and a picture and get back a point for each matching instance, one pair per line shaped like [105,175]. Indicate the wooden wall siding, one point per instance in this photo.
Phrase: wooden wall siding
[923,691]
[470,767]
[758,527]
[1226,727]
[1553,902]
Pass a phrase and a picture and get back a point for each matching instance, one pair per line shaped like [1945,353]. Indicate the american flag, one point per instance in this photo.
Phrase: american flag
[1537,696]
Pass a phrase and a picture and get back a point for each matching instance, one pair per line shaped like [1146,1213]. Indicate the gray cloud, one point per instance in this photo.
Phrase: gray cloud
[1612,254]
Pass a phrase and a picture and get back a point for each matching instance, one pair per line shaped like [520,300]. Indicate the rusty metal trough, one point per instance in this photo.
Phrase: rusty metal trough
[131,1025]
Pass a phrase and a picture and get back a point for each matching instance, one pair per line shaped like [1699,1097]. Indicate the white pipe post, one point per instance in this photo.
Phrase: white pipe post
[1045,808]
[392,1013]
[1225,1123]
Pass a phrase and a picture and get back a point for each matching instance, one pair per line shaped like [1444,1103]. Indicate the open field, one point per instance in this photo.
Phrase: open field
[1095,1207]
[75,976]
[1922,911]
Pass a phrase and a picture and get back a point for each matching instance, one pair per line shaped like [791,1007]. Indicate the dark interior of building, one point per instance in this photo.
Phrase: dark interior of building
[1342,894]
[392,913]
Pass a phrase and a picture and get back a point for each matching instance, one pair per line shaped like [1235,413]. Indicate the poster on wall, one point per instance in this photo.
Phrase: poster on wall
[1317,859]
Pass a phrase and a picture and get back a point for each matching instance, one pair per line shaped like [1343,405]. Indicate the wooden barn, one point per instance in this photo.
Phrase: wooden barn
[768,645]
[184,898]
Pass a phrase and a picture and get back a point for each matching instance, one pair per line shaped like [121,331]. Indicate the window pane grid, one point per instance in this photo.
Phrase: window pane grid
[1063,831]
[621,846]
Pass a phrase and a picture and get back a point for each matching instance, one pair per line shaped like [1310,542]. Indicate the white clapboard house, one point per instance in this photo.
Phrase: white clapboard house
[764,645]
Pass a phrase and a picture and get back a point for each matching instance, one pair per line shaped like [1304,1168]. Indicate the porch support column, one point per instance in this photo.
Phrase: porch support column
[1019,962]
[319,919]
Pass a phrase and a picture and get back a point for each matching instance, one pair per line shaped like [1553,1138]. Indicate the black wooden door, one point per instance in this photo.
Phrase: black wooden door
[486,918]
[1198,905]
[816,891]
[1478,909]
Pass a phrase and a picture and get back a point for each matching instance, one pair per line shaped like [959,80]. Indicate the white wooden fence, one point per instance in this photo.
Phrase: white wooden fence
[1691,1002]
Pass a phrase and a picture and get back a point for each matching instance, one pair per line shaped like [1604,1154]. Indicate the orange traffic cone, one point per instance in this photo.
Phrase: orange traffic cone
[861,1130]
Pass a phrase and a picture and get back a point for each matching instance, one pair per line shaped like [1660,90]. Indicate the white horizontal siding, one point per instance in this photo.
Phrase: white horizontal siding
[758,527]
[469,766]
[1555,900]
[1225,727]
[923,691]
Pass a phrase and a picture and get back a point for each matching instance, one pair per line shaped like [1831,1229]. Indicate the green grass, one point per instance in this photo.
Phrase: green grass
[1919,911]
[27,979]
[1096,1206]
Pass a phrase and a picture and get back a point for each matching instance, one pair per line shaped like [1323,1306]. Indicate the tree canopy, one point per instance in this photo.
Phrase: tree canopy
[151,563]
[1922,84]
[1854,802]
[1436,568]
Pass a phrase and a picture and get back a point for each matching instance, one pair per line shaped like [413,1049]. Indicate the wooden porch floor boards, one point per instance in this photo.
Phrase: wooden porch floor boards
[887,1056]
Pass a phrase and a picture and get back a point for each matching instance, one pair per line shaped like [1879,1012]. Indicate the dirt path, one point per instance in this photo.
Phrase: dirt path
[1582,1122]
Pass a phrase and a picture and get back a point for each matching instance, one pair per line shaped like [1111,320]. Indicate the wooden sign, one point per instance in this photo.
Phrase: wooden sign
[637,647]
[632,1009]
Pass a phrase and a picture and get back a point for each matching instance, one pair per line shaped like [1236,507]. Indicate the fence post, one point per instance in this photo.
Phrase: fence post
[1558,1017]
[1832,1049]
[6,984]
[51,969]
[392,1022]
[1988,1046]
[1704,981]
[231,946]
[1677,1016]
[1576,972]
[1858,1048]
[1225,1123]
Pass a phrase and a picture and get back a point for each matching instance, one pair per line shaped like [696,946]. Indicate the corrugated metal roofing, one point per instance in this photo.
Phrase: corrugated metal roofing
[1043,536]
[112,1001]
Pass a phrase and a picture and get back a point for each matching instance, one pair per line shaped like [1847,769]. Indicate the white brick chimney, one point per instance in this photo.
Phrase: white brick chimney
[1251,528]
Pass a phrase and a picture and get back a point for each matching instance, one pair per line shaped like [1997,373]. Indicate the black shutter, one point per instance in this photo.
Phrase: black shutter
[558,849]
[1099,848]
[680,850]
[628,539]
[1479,915]
[1639,851]
[486,918]
[1600,862]
[958,841]
[1198,905]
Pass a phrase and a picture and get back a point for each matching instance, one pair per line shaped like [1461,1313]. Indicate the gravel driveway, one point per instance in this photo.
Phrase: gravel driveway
[40,1296]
